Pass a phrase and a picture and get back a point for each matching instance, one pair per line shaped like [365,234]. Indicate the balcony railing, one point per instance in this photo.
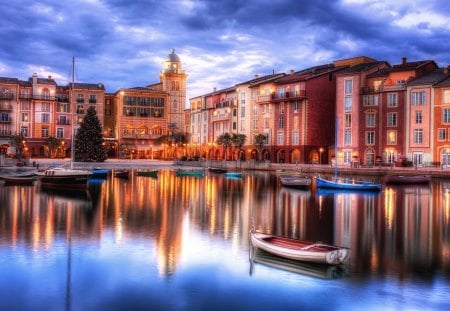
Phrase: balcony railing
[92,101]
[221,117]
[296,95]
[263,99]
[63,122]
[5,107]
[8,96]
[139,136]
[63,99]
[365,90]
[80,100]
[37,97]
[6,120]
[5,133]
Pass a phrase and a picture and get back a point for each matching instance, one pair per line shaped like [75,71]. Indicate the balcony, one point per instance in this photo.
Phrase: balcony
[221,117]
[80,100]
[297,95]
[7,96]
[63,122]
[394,87]
[263,99]
[366,90]
[62,99]
[5,107]
[5,133]
[36,97]
[5,119]
[92,101]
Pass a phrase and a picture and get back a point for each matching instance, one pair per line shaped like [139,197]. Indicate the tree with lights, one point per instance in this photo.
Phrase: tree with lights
[89,142]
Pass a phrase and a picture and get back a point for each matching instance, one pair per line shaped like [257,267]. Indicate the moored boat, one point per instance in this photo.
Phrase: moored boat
[19,180]
[58,177]
[299,250]
[301,182]
[347,184]
[99,173]
[196,173]
[125,174]
[233,174]
[218,170]
[150,173]
[407,179]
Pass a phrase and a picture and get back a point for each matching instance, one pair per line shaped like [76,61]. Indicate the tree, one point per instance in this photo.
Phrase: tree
[89,142]
[238,140]
[259,141]
[224,140]
[17,141]
[52,143]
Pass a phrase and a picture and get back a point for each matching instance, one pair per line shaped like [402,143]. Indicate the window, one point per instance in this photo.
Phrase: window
[266,123]
[24,131]
[295,138]
[234,112]
[348,120]
[442,134]
[45,107]
[254,94]
[25,105]
[375,100]
[280,138]
[392,119]
[242,97]
[370,120]
[418,117]
[296,106]
[24,117]
[62,120]
[44,132]
[366,100]
[242,112]
[370,138]
[418,98]
[281,122]
[174,104]
[242,126]
[45,118]
[347,157]
[446,116]
[348,86]
[80,98]
[281,108]
[92,99]
[59,132]
[255,110]
[347,137]
[255,125]
[418,136]
[392,100]
[391,137]
[80,109]
[4,117]
[446,96]
[348,103]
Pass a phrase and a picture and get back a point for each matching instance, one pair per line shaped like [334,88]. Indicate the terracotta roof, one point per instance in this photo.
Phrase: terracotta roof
[309,73]
[432,77]
[263,79]
[9,80]
[362,67]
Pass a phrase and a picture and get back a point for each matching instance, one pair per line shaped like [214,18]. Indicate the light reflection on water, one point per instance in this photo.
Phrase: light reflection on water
[181,243]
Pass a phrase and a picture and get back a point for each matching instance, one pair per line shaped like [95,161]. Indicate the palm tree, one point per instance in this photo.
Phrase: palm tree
[259,141]
[52,143]
[224,140]
[238,140]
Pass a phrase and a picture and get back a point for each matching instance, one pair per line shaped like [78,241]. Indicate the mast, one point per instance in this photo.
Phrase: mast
[72,110]
[335,149]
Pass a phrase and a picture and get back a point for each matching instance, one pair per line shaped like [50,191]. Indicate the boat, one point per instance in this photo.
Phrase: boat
[343,183]
[298,249]
[58,177]
[319,271]
[347,184]
[19,180]
[150,173]
[99,173]
[233,174]
[217,170]
[300,182]
[196,173]
[125,174]
[407,179]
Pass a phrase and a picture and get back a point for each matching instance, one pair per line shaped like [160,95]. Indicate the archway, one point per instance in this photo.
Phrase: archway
[266,155]
[314,156]
[295,156]
[281,156]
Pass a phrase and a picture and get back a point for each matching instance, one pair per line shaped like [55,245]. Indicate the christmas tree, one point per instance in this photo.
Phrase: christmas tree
[89,143]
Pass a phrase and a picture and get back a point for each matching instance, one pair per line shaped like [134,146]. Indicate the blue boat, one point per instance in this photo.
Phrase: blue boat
[99,173]
[234,174]
[347,184]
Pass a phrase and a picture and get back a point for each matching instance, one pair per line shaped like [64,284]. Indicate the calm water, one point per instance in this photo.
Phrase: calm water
[181,243]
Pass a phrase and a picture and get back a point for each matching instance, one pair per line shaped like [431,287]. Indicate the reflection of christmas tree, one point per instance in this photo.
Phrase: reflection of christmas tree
[89,144]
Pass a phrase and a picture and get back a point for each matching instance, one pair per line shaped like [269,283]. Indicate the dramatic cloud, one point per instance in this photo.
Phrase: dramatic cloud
[123,43]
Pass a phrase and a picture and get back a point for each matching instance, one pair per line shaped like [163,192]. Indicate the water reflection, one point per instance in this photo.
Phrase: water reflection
[401,232]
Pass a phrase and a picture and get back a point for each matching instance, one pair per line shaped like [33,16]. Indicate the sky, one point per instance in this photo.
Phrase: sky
[123,43]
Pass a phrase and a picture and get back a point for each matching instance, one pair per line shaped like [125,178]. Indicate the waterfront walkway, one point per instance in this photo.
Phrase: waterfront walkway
[43,163]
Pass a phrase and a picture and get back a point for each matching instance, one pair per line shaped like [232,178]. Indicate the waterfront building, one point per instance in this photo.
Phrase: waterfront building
[137,116]
[8,110]
[427,123]
[356,138]
[383,105]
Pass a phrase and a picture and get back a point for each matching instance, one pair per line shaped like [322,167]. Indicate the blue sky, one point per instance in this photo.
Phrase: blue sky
[123,43]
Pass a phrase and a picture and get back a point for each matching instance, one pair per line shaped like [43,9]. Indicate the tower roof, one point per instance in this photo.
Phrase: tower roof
[172,57]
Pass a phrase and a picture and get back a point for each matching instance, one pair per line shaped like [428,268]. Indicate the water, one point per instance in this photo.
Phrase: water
[181,243]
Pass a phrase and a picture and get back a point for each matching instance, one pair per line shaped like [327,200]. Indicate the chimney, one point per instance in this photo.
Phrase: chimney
[49,77]
[446,70]
[292,71]
[403,60]
[256,76]
[214,89]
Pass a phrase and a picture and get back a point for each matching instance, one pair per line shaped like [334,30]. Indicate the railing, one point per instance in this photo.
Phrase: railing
[92,101]
[383,88]
[263,99]
[63,122]
[288,95]
[6,120]
[62,99]
[7,96]
[80,100]
[5,107]
[221,117]
[4,133]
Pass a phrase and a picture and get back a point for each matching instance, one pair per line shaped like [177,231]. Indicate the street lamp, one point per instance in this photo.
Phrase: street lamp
[320,155]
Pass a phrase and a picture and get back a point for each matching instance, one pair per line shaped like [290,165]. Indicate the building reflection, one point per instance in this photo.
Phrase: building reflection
[402,229]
